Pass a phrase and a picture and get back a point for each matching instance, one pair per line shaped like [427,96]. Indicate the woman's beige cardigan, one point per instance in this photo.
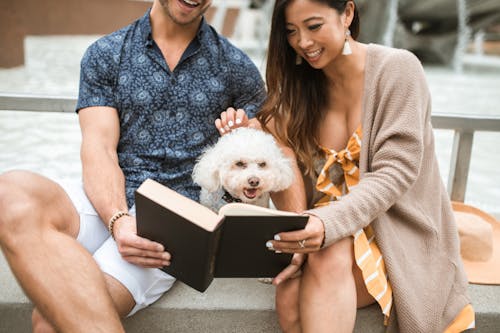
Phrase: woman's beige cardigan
[402,195]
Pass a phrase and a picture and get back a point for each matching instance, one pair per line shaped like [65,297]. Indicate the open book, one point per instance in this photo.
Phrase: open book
[204,244]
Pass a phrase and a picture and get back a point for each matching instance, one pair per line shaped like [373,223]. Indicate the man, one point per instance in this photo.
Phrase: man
[149,96]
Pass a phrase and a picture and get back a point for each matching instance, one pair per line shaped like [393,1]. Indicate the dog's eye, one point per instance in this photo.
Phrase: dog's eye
[262,164]
[240,164]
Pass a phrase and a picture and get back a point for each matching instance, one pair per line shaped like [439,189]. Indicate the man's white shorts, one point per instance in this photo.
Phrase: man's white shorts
[145,284]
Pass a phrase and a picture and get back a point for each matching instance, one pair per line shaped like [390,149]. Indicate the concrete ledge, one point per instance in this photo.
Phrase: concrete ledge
[229,305]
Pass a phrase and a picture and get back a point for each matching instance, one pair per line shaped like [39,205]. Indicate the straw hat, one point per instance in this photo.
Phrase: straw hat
[479,243]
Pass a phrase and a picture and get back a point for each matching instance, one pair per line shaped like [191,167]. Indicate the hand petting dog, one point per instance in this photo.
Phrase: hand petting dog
[232,119]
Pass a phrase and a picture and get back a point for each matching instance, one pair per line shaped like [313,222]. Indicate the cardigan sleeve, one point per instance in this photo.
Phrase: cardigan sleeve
[399,107]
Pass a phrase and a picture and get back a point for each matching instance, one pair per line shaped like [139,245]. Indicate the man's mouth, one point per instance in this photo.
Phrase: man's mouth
[190,3]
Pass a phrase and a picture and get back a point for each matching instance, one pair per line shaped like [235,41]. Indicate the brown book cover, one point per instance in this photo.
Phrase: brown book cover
[204,244]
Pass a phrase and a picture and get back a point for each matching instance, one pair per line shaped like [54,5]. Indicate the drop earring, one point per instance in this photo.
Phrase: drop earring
[298,60]
[347,47]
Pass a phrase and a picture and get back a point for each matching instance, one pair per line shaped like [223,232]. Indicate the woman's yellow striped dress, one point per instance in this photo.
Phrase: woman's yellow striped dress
[366,252]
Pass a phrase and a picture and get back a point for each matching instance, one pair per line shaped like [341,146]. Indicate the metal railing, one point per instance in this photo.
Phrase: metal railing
[464,127]
[21,102]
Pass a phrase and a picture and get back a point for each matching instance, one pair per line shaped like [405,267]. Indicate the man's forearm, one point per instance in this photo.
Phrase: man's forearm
[103,181]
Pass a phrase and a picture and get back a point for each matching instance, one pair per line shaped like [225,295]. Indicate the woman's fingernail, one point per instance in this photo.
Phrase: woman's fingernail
[269,244]
[222,130]
[238,121]
[277,237]
[278,251]
[230,123]
[227,128]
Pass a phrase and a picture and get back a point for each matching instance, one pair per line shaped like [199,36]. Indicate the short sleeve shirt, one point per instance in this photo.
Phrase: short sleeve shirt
[166,117]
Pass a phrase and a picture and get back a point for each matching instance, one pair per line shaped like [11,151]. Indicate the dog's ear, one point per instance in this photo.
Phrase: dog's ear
[284,175]
[206,170]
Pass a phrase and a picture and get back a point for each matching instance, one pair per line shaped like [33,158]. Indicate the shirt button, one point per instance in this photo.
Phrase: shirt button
[172,80]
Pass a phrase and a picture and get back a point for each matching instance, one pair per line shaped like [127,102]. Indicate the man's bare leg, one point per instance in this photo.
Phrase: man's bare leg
[122,299]
[38,226]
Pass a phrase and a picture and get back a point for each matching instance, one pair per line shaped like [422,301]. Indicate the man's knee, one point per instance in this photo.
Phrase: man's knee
[13,203]
[16,204]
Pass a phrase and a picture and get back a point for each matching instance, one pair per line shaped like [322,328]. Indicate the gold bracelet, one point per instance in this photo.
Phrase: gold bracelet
[115,218]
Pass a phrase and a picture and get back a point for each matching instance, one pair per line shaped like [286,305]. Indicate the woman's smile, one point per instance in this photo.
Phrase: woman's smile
[313,55]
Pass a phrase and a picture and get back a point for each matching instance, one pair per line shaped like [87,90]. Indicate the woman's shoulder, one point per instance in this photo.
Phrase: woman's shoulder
[385,60]
[391,56]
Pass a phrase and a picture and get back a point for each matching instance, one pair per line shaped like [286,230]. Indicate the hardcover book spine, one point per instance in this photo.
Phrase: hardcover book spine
[213,247]
[189,245]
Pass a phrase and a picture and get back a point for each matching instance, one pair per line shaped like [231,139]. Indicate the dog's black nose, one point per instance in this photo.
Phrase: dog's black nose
[253,181]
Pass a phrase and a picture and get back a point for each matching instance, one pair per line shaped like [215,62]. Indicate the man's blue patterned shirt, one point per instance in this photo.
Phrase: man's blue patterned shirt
[166,118]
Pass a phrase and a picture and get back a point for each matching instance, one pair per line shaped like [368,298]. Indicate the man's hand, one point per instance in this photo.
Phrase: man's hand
[137,250]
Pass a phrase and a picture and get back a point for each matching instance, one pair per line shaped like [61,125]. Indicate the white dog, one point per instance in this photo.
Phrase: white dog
[245,165]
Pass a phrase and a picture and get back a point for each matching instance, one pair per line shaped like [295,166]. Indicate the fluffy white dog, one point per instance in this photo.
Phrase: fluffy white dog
[244,165]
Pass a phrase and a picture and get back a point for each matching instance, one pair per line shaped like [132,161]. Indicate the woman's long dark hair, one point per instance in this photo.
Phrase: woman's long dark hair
[297,94]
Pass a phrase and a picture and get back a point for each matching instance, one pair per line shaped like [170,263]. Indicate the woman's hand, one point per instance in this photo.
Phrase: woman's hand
[293,270]
[232,119]
[306,240]
[137,250]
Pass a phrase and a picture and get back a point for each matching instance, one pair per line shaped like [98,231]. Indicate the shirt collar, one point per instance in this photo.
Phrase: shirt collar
[146,31]
[203,29]
[145,28]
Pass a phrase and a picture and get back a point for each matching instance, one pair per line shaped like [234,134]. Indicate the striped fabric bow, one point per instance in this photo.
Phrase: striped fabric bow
[347,158]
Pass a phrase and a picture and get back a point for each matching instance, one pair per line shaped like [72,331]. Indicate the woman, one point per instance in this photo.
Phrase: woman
[381,229]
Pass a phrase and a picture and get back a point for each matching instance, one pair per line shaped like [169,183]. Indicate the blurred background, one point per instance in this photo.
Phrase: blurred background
[42,42]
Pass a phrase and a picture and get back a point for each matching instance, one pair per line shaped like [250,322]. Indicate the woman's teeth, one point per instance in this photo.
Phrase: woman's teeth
[313,54]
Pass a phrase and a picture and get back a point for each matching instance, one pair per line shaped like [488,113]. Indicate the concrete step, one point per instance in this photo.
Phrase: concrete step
[228,305]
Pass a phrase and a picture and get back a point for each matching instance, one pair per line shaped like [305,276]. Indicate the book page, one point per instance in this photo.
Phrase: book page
[241,209]
[180,205]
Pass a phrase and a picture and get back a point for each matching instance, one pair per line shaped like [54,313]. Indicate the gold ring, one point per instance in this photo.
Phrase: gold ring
[302,243]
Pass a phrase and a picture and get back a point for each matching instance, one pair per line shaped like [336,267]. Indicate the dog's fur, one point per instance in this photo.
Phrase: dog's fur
[247,163]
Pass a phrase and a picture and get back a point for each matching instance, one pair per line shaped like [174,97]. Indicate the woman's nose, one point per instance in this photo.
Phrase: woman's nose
[304,41]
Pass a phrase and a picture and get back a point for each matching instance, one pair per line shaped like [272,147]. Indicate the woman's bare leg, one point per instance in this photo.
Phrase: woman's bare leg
[40,324]
[328,290]
[363,296]
[294,297]
[287,305]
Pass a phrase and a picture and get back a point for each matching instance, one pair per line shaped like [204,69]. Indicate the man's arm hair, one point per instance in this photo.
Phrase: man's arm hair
[103,179]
